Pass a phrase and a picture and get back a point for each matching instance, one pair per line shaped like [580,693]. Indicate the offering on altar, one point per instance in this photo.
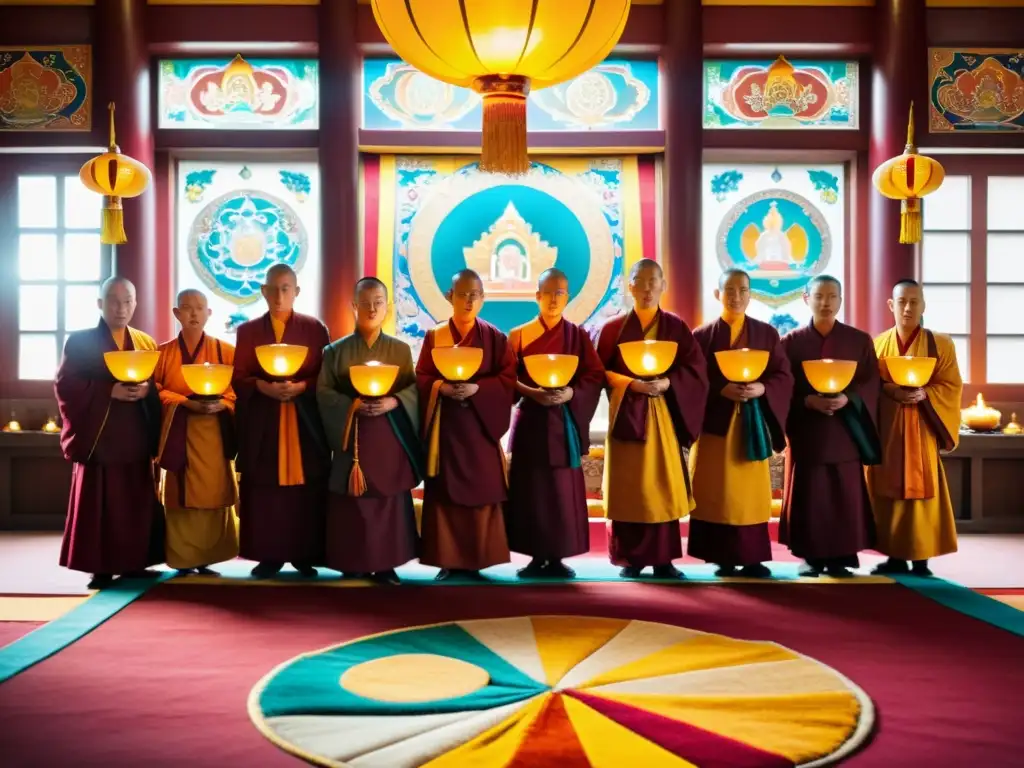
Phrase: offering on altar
[457,363]
[282,360]
[551,371]
[51,425]
[373,379]
[132,366]
[208,381]
[910,372]
[1013,428]
[742,366]
[980,417]
[650,358]
[829,377]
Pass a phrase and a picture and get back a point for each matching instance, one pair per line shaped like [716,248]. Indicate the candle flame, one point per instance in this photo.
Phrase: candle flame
[51,426]
[979,402]
[280,364]
[375,387]
[648,362]
[131,373]
[209,387]
[458,370]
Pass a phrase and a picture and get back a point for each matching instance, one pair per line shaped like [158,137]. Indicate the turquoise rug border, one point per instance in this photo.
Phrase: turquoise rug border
[56,635]
[966,601]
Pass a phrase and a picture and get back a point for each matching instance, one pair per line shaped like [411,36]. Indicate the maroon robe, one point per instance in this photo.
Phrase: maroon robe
[546,514]
[826,515]
[280,524]
[115,521]
[721,543]
[642,544]
[463,526]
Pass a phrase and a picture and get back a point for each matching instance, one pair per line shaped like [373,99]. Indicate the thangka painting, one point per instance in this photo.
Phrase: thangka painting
[236,220]
[782,224]
[615,95]
[238,94]
[781,94]
[978,91]
[46,89]
[438,215]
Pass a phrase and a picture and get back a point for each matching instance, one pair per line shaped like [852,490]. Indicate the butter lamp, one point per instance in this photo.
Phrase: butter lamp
[829,377]
[648,359]
[208,381]
[281,360]
[457,363]
[742,366]
[132,366]
[51,425]
[910,372]
[980,417]
[551,371]
[374,379]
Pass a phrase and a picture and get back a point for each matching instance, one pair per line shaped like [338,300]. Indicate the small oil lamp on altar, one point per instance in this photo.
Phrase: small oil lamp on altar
[648,359]
[51,426]
[373,379]
[281,360]
[742,366]
[551,371]
[132,366]
[208,381]
[13,425]
[910,372]
[980,417]
[829,377]
[1013,428]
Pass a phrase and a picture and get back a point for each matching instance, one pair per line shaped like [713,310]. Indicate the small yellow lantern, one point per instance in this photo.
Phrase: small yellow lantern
[51,426]
[132,366]
[374,379]
[281,360]
[909,177]
[742,366]
[551,371]
[13,425]
[910,372]
[208,381]
[116,176]
[829,377]
[980,417]
[457,363]
[648,359]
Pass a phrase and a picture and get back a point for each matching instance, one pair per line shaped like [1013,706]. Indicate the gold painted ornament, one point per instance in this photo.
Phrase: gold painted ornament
[502,49]
[908,178]
[115,176]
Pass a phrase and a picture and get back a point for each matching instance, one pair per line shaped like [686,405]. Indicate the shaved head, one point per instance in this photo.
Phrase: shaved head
[729,274]
[646,284]
[551,274]
[190,293]
[906,283]
[907,305]
[366,283]
[643,264]
[279,271]
[280,289]
[192,312]
[552,294]
[116,282]
[819,281]
[465,275]
[117,302]
[466,295]
[734,292]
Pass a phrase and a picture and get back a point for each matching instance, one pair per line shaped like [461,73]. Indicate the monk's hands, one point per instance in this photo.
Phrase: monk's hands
[462,390]
[551,397]
[826,405]
[905,396]
[281,390]
[129,393]
[650,388]
[378,406]
[741,393]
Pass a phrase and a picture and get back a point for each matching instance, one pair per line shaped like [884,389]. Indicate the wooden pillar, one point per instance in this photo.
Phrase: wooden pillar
[123,76]
[682,62]
[899,67]
[339,164]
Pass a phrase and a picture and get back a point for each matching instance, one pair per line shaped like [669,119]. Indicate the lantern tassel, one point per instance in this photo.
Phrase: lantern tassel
[910,221]
[503,143]
[356,479]
[112,222]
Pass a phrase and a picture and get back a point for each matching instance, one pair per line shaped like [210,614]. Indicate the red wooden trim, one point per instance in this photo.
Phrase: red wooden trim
[798,139]
[977,294]
[781,26]
[979,28]
[164,174]
[223,25]
[371,212]
[35,25]
[648,205]
[989,165]
[445,142]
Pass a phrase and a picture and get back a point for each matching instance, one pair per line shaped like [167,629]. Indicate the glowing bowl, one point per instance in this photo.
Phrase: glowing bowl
[374,379]
[981,417]
[457,363]
[829,377]
[551,371]
[207,379]
[132,366]
[742,366]
[648,358]
[282,360]
[910,371]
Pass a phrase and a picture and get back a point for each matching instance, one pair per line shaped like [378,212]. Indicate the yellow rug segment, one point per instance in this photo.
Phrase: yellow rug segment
[20,608]
[563,643]
[494,747]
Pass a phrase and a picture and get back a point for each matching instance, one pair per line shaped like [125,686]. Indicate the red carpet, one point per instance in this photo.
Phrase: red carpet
[12,630]
[165,682]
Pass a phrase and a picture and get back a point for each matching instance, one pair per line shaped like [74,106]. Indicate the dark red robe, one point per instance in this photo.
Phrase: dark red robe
[642,544]
[280,524]
[115,522]
[740,544]
[826,514]
[546,514]
[463,526]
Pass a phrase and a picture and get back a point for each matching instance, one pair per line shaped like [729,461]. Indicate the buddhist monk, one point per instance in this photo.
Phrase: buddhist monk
[826,513]
[463,528]
[283,455]
[109,433]
[651,423]
[546,515]
[371,524]
[743,425]
[197,447]
[913,510]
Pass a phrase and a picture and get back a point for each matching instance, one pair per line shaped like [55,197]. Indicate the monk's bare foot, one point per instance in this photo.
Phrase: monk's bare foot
[839,572]
[892,565]
[630,572]
[921,568]
[556,569]
[809,571]
[266,570]
[755,571]
[205,570]
[726,570]
[667,572]
[534,570]
[443,575]
[145,573]
[305,571]
[100,581]
[387,577]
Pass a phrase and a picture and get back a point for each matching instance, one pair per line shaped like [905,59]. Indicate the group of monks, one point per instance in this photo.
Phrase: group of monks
[309,472]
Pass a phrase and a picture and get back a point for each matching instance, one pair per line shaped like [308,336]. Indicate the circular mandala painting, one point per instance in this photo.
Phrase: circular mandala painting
[560,690]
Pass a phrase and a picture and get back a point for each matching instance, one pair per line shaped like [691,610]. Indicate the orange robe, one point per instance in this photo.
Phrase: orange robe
[198,485]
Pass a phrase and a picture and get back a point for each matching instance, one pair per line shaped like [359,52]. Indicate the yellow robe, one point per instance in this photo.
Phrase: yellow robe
[727,487]
[913,510]
[202,528]
[644,482]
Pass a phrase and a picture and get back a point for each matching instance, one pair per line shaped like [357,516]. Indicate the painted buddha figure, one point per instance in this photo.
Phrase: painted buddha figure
[774,248]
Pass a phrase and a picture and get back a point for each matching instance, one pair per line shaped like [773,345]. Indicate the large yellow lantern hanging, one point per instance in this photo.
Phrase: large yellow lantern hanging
[502,49]
[115,176]
[909,177]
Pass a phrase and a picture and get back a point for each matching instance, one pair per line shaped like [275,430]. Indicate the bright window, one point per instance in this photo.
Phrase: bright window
[60,267]
[1004,326]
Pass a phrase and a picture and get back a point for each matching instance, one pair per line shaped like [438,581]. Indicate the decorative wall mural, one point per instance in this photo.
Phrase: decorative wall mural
[781,94]
[234,222]
[615,95]
[782,224]
[239,94]
[437,215]
[46,88]
[980,90]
